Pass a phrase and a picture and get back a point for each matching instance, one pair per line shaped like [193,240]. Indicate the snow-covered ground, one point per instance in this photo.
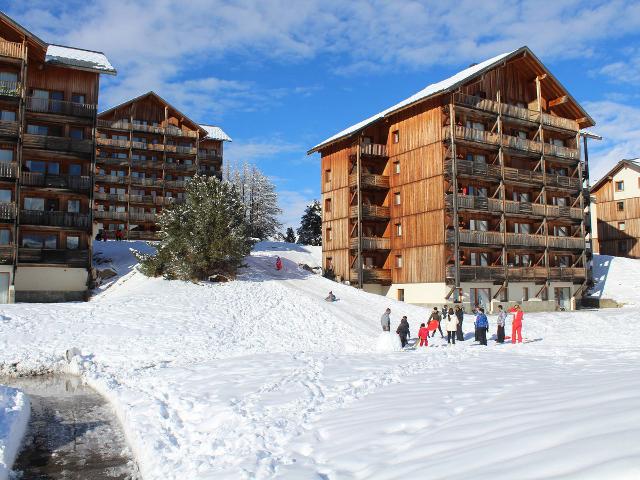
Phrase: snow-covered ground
[261,378]
[14,415]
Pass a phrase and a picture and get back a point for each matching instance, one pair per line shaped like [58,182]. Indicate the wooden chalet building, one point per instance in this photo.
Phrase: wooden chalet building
[616,211]
[48,98]
[472,190]
[146,151]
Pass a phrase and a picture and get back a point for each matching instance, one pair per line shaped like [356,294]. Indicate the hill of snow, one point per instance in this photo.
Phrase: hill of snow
[261,378]
[14,415]
[616,278]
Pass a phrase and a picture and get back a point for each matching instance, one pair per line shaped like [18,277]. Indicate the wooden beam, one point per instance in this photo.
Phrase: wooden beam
[558,101]
[582,119]
[542,77]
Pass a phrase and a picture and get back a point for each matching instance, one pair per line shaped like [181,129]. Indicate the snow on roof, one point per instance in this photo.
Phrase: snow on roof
[428,91]
[216,133]
[76,57]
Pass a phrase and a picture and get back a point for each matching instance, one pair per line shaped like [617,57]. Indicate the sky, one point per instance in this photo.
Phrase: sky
[280,76]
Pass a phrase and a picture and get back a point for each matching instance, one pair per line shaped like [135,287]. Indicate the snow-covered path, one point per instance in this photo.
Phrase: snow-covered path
[261,378]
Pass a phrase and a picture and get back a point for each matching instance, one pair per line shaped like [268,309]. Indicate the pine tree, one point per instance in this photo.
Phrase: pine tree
[310,231]
[204,236]
[290,236]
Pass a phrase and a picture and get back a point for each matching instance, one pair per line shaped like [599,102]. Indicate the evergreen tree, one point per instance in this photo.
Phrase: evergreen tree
[310,231]
[204,236]
[290,236]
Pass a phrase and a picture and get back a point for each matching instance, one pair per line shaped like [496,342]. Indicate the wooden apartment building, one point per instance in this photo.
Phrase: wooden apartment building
[146,151]
[616,211]
[48,98]
[473,190]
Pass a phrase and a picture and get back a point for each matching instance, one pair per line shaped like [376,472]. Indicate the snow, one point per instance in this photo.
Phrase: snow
[79,58]
[617,278]
[426,92]
[216,133]
[388,342]
[14,415]
[261,378]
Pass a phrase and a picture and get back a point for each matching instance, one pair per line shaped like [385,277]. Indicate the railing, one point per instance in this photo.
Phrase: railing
[526,240]
[10,89]
[520,113]
[7,211]
[54,219]
[180,166]
[141,127]
[562,211]
[7,252]
[371,243]
[174,183]
[522,144]
[110,215]
[522,176]
[210,157]
[61,144]
[146,164]
[567,242]
[369,180]
[143,216]
[559,151]
[113,142]
[371,275]
[566,273]
[371,211]
[479,103]
[76,183]
[142,235]
[9,128]
[186,150]
[178,132]
[559,122]
[12,50]
[112,161]
[467,167]
[469,273]
[563,181]
[476,237]
[518,208]
[113,124]
[373,149]
[8,170]
[147,182]
[169,200]
[472,134]
[111,197]
[60,107]
[157,147]
[526,273]
[142,199]
[112,179]
[73,258]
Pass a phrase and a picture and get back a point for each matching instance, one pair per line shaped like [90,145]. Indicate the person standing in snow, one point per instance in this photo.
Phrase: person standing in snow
[502,317]
[331,297]
[435,315]
[460,316]
[403,331]
[423,335]
[451,324]
[516,325]
[385,320]
[278,263]
[482,325]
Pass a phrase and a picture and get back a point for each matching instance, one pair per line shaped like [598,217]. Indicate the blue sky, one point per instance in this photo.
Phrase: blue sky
[280,76]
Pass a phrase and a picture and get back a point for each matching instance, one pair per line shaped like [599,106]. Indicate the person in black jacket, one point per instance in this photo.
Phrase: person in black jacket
[460,314]
[403,331]
[435,315]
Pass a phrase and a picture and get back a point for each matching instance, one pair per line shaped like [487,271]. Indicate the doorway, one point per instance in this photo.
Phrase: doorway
[4,288]
[563,298]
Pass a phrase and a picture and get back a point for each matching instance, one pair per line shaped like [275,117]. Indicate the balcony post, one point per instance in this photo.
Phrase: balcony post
[503,192]
[583,230]
[544,177]
[359,219]
[454,177]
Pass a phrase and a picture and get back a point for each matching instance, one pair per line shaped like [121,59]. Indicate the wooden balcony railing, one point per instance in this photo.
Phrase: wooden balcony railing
[373,149]
[469,168]
[8,170]
[110,215]
[142,235]
[7,211]
[560,122]
[111,197]
[169,200]
[120,180]
[477,237]
[60,107]
[180,167]
[147,199]
[113,124]
[469,273]
[113,142]
[520,113]
[60,144]
[7,253]
[112,161]
[9,128]
[566,273]
[141,127]
[10,89]
[210,157]
[371,243]
[147,182]
[526,240]
[174,131]
[371,211]
[478,103]
[54,219]
[369,180]
[571,243]
[174,183]
[562,152]
[516,273]
[142,217]
[522,144]
[567,212]
[563,181]
[77,183]
[72,258]
[12,50]
[473,135]
[186,150]
[372,275]
[523,176]
[146,164]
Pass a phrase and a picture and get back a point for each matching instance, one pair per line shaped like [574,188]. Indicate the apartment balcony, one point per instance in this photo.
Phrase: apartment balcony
[210,157]
[519,176]
[169,200]
[175,183]
[474,237]
[71,258]
[567,273]
[156,147]
[369,181]
[469,273]
[113,142]
[110,215]
[174,131]
[146,164]
[7,253]
[115,179]
[8,170]
[524,145]
[371,243]
[373,150]
[58,144]
[60,107]
[468,168]
[8,128]
[121,125]
[526,274]
[567,243]
[146,182]
[557,211]
[471,135]
[561,152]
[143,199]
[142,235]
[13,50]
[7,211]
[560,122]
[54,219]
[120,162]
[511,207]
[142,217]
[562,181]
[111,197]
[10,90]
[372,275]
[179,149]
[526,240]
[181,167]
[141,127]
[371,212]
[76,183]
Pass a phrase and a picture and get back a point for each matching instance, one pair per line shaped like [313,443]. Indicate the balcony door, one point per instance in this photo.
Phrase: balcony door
[4,288]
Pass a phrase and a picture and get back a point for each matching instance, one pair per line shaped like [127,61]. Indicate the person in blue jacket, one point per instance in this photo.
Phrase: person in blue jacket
[482,326]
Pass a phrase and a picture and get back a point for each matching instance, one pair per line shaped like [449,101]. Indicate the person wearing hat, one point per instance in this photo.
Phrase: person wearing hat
[435,315]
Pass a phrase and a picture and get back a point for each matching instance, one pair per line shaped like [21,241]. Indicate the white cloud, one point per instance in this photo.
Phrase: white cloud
[293,204]
[627,71]
[253,150]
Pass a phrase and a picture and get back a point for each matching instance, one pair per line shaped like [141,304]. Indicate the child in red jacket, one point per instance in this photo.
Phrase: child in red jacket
[423,335]
[516,325]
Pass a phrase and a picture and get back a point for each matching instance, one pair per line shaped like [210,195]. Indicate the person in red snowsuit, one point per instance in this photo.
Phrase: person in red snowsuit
[278,264]
[423,335]
[516,325]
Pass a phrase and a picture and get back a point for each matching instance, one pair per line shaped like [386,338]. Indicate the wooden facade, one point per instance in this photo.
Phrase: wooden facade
[480,184]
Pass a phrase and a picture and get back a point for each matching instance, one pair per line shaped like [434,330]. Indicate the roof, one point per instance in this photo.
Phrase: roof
[441,87]
[633,163]
[79,58]
[23,30]
[216,133]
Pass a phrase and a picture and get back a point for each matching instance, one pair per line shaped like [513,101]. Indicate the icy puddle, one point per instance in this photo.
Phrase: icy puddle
[73,433]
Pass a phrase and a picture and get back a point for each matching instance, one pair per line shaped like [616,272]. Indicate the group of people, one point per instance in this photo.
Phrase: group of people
[453,319]
[103,236]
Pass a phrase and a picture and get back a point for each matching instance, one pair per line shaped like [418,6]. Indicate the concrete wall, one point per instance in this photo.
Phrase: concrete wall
[419,293]
[50,284]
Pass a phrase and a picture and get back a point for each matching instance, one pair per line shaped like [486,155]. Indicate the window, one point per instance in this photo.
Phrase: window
[620,206]
[396,167]
[75,169]
[7,115]
[5,196]
[329,263]
[622,247]
[396,198]
[525,294]
[522,134]
[401,294]
[621,226]
[5,237]
[620,186]
[479,225]
[31,203]
[327,205]
[480,296]
[396,136]
[35,240]
[8,77]
[398,229]
[76,133]
[327,175]
[73,242]
[6,155]
[73,206]
[78,98]
[561,231]
[398,261]
[328,235]
[475,125]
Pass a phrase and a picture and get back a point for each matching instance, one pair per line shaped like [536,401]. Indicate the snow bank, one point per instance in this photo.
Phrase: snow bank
[617,278]
[388,342]
[14,416]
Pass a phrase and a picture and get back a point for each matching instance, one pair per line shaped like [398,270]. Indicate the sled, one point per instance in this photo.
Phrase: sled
[432,325]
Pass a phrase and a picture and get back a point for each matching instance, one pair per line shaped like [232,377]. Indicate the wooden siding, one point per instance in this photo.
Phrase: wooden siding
[64,80]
